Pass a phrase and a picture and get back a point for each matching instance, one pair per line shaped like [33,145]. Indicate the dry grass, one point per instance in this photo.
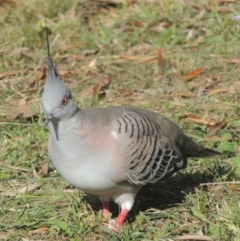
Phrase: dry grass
[148,51]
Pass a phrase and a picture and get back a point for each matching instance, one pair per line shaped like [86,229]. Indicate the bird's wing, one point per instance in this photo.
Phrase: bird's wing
[149,154]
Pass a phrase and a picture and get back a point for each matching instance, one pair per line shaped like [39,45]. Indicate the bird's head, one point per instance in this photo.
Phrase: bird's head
[56,98]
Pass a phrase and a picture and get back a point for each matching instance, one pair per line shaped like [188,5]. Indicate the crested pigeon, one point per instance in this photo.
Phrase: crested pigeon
[112,152]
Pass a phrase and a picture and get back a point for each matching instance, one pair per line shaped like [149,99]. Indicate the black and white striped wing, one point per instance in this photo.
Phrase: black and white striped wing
[150,155]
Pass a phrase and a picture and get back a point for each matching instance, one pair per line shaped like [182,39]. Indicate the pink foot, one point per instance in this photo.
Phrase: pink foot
[115,226]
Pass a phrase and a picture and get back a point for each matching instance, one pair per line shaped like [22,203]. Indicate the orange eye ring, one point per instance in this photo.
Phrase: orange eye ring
[65,101]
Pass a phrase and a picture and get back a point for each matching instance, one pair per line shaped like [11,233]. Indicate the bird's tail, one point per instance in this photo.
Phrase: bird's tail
[202,152]
[193,149]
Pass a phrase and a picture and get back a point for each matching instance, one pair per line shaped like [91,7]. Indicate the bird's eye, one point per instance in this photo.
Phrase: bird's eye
[65,101]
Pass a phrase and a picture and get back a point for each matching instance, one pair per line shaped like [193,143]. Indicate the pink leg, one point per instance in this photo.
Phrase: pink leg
[121,217]
[105,208]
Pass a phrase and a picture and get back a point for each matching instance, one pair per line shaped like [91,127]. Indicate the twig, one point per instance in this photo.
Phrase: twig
[218,183]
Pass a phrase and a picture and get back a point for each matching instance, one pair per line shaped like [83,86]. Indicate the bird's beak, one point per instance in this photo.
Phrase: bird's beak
[48,119]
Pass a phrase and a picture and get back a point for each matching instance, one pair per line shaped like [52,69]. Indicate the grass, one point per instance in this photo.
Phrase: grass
[92,41]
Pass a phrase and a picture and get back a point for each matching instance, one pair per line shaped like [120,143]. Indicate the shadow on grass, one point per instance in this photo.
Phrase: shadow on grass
[168,193]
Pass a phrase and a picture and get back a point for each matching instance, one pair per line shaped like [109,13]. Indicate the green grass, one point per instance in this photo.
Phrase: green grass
[123,40]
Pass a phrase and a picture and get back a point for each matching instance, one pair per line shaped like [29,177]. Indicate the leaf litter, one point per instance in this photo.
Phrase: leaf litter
[146,71]
[21,110]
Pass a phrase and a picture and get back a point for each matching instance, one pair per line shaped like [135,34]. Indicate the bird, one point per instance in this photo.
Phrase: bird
[112,152]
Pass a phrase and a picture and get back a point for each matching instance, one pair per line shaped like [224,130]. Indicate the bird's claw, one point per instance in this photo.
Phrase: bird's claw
[112,225]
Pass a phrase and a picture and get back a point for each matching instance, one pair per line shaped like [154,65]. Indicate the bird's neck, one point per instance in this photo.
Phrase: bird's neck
[59,127]
[72,110]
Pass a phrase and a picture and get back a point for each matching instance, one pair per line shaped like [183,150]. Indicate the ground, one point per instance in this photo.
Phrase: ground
[179,58]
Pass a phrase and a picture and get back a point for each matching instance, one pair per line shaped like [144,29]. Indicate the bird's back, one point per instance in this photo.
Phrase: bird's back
[154,147]
[107,116]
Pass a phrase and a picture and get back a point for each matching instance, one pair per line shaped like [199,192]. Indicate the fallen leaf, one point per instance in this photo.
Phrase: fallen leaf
[13,112]
[29,188]
[159,26]
[140,49]
[21,109]
[214,138]
[186,95]
[68,73]
[209,8]
[27,54]
[73,46]
[60,56]
[160,61]
[212,84]
[44,170]
[13,72]
[17,52]
[88,52]
[139,59]
[232,60]
[218,91]
[194,237]
[145,61]
[8,194]
[77,56]
[123,90]
[7,2]
[198,120]
[130,2]
[127,56]
[99,89]
[193,74]
[40,230]
[41,74]
[227,1]
[233,185]
[138,24]
[35,173]
[93,63]
[4,236]
[219,125]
